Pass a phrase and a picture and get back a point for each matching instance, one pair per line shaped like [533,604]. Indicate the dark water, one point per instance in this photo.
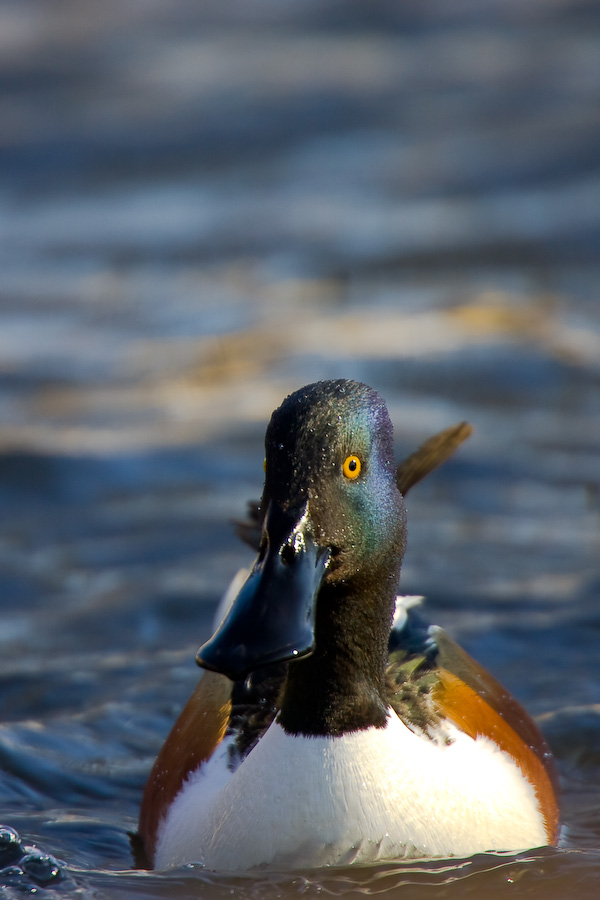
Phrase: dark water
[204,206]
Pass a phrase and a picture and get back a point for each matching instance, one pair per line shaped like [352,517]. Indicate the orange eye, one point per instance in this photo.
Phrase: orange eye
[352,466]
[265,465]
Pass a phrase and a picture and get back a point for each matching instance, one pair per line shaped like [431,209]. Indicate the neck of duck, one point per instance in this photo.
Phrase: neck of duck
[340,687]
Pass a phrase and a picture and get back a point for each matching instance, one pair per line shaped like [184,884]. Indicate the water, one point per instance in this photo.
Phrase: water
[204,207]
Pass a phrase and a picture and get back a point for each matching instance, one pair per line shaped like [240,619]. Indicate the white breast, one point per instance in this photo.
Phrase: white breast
[385,793]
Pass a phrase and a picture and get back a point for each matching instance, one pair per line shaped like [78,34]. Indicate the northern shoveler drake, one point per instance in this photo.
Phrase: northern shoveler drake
[333,725]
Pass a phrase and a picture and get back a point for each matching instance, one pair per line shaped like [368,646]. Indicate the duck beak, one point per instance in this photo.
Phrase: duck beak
[272,618]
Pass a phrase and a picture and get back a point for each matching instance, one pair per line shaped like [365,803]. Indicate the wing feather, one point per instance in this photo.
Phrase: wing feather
[475,716]
[193,739]
[431,677]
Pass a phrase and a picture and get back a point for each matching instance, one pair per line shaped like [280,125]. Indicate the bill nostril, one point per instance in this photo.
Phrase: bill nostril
[288,554]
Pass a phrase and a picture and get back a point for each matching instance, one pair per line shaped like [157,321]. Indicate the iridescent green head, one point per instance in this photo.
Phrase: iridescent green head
[332,518]
[331,445]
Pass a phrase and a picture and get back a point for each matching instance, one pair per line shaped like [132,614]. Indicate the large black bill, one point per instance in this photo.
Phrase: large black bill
[272,618]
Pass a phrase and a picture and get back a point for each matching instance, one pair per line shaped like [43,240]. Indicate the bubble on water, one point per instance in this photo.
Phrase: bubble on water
[40,867]
[10,845]
[25,865]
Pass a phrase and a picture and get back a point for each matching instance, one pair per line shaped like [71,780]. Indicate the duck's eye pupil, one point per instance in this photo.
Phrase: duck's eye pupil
[352,467]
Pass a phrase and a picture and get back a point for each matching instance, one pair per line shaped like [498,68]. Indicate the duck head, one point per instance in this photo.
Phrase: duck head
[333,525]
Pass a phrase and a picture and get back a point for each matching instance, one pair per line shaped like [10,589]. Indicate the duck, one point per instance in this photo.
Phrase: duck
[333,725]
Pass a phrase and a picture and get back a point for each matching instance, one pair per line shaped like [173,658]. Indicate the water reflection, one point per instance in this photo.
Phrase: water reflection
[491,875]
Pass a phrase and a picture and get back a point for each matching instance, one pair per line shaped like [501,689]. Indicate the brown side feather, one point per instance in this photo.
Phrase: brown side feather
[471,698]
[193,739]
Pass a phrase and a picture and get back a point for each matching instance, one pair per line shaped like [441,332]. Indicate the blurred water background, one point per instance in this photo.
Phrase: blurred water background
[205,205]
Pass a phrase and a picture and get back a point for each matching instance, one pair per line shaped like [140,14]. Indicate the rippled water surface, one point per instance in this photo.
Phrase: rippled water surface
[203,207]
